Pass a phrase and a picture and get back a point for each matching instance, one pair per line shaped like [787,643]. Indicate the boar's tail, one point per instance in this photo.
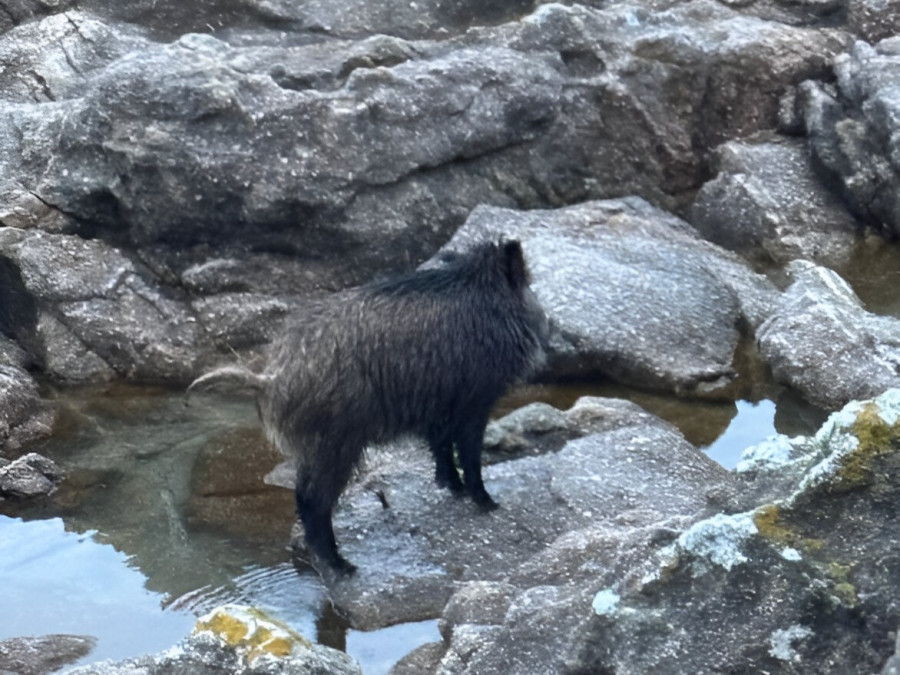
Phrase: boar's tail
[229,379]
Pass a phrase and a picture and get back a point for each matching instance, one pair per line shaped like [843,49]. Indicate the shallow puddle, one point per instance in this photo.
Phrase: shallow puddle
[165,515]
[874,273]
[56,581]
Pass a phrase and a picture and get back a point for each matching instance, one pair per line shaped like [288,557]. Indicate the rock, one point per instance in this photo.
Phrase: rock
[873,20]
[16,12]
[804,583]
[546,608]
[24,415]
[12,354]
[848,125]
[426,19]
[88,314]
[186,117]
[235,640]
[425,659]
[154,149]
[652,91]
[767,204]
[821,341]
[52,59]
[415,544]
[30,476]
[634,292]
[49,61]
[533,428]
[44,654]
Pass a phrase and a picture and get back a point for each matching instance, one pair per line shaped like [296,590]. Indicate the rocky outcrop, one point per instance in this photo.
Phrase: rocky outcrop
[632,291]
[167,197]
[800,583]
[225,178]
[821,341]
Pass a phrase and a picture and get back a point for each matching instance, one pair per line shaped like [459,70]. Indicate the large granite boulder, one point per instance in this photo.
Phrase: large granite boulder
[852,126]
[632,291]
[767,203]
[821,341]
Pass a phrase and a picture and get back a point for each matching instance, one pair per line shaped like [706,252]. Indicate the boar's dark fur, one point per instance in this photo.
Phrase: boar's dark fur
[428,353]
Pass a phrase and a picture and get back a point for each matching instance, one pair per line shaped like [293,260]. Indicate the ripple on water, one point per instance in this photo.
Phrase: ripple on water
[296,599]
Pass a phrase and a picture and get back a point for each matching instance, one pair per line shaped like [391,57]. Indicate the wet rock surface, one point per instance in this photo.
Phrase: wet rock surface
[44,654]
[414,543]
[30,476]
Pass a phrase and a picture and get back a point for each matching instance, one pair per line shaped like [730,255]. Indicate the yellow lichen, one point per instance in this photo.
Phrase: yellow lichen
[769,522]
[279,646]
[766,518]
[876,438]
[252,632]
[232,630]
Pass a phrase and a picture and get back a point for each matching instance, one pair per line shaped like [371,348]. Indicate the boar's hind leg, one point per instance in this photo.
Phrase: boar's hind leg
[445,473]
[316,499]
[469,438]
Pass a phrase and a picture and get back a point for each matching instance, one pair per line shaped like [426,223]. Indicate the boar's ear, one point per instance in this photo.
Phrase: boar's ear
[514,262]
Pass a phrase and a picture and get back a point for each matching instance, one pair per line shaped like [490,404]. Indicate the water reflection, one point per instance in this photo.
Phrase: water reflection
[722,429]
[753,423]
[874,273]
[54,581]
[379,649]
[179,488]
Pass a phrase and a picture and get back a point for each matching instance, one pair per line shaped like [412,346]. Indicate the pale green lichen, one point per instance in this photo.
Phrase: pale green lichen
[715,541]
[605,602]
[843,588]
[782,641]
